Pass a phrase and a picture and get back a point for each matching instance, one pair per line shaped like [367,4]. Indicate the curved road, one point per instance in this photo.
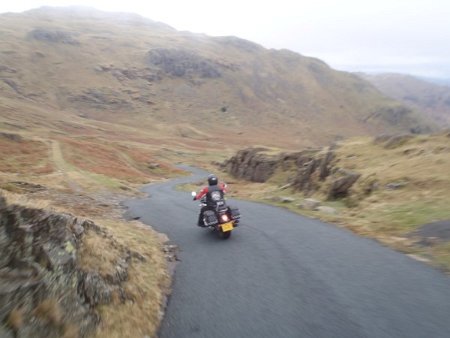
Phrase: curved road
[284,275]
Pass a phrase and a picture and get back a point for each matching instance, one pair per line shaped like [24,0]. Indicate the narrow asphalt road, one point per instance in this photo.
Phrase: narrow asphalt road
[283,275]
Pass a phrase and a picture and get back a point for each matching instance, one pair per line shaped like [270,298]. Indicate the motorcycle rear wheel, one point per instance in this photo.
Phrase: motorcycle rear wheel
[224,235]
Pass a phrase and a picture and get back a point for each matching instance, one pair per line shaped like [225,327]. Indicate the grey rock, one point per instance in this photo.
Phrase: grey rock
[396,185]
[78,229]
[343,181]
[276,199]
[433,233]
[251,165]
[100,98]
[38,261]
[53,36]
[11,137]
[28,187]
[95,289]
[327,210]
[312,168]
[285,199]
[309,204]
[182,63]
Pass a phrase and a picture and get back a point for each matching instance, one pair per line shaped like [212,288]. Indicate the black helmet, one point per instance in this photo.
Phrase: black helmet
[212,179]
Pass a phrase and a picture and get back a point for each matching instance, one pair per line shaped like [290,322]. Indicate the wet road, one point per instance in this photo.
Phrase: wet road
[284,275]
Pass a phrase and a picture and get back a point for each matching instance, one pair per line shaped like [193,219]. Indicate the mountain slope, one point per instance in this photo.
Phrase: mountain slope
[125,69]
[430,98]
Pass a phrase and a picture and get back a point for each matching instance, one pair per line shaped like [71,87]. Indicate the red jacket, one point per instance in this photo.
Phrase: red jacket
[204,191]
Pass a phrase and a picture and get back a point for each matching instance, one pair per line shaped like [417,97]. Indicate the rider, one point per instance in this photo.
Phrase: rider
[214,192]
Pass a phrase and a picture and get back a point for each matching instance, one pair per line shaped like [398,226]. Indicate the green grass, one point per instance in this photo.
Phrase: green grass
[402,219]
[102,180]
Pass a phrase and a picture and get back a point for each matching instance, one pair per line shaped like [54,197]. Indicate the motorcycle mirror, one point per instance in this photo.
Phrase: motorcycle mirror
[193,194]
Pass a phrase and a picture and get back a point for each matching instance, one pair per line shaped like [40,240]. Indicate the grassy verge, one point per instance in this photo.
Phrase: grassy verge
[147,285]
[419,167]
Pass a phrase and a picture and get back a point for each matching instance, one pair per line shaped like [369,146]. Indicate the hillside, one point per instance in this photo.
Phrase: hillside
[430,98]
[64,67]
[392,188]
[95,104]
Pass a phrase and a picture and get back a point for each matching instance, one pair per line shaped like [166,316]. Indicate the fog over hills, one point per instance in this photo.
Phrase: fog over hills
[94,105]
[128,70]
[426,95]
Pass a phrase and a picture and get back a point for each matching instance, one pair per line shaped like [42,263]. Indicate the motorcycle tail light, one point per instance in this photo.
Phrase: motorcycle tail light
[224,218]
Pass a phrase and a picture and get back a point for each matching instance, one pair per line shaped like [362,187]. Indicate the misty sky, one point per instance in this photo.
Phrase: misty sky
[406,36]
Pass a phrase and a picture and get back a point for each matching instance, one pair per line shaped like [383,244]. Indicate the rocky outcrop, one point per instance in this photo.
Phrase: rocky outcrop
[250,164]
[44,290]
[53,36]
[100,98]
[342,181]
[25,187]
[182,63]
[393,141]
[11,137]
[310,170]
[133,73]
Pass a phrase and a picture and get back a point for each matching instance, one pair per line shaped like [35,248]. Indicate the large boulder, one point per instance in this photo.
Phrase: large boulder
[252,165]
[309,204]
[342,181]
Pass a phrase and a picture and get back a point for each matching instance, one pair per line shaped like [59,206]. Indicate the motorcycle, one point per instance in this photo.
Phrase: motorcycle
[221,218]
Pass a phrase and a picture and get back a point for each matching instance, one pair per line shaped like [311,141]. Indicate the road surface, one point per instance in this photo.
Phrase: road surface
[284,275]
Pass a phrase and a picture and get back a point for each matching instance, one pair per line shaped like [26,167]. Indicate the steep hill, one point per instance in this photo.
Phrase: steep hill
[65,65]
[430,98]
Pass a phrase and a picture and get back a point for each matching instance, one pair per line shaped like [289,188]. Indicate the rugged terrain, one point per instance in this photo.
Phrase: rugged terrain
[66,276]
[94,104]
[430,98]
[392,188]
[77,70]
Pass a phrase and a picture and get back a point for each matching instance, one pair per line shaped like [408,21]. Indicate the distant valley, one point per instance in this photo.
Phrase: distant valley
[429,96]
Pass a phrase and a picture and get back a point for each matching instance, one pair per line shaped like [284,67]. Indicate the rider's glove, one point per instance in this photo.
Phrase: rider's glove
[194,198]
